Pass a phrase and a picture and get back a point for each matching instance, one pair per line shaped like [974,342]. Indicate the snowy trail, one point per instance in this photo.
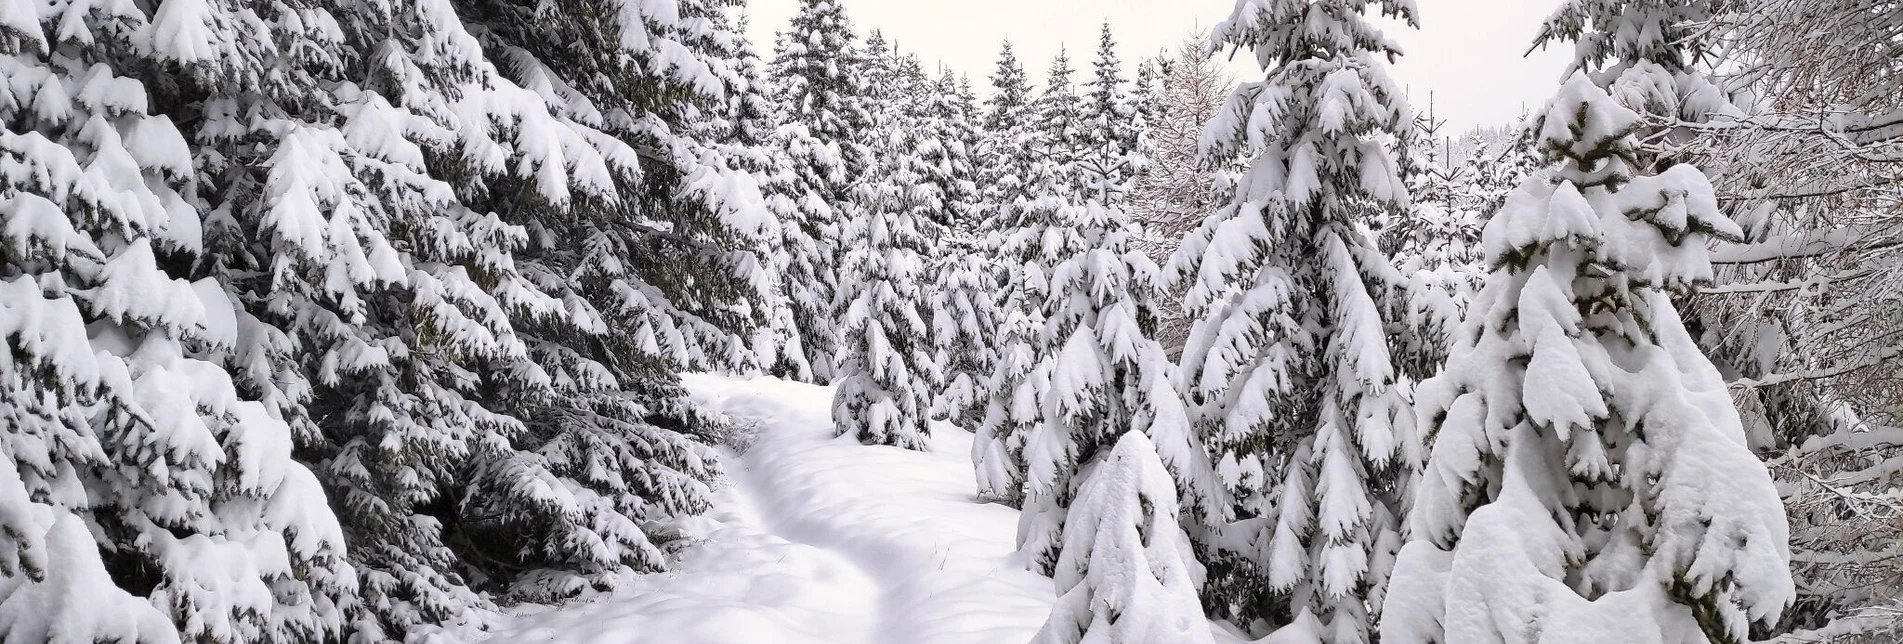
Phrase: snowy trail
[818,539]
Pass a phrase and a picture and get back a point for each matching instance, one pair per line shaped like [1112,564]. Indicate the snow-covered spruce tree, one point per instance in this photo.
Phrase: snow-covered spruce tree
[1106,374]
[380,308]
[1109,129]
[1143,95]
[1056,115]
[879,75]
[911,88]
[1007,163]
[965,293]
[1430,232]
[970,128]
[1005,151]
[144,496]
[965,321]
[1435,245]
[1015,390]
[955,169]
[817,85]
[329,159]
[1589,477]
[885,356]
[1494,168]
[656,270]
[1293,385]
[930,139]
[1029,235]
[1128,574]
[749,140]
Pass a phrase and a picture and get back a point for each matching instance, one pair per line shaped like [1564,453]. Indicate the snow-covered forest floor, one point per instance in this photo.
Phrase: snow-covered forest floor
[820,539]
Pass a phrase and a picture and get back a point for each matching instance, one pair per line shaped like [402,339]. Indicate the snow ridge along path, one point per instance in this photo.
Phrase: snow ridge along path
[823,540]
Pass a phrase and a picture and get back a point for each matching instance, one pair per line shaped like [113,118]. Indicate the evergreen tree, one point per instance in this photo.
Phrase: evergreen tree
[881,77]
[1291,378]
[1143,92]
[885,355]
[1435,245]
[1127,573]
[1010,95]
[1110,130]
[1106,375]
[965,324]
[147,495]
[1032,235]
[964,298]
[818,86]
[931,140]
[1004,151]
[751,141]
[953,109]
[1491,172]
[1590,476]
[1008,163]
[912,89]
[1056,121]
[329,160]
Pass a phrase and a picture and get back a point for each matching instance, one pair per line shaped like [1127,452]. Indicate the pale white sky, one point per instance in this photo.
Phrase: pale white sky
[1468,52]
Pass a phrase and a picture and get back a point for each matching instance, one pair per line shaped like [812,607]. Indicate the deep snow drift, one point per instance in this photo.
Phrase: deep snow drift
[817,539]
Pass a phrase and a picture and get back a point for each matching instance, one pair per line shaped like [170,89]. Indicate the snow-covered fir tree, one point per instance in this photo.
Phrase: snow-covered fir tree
[969,124]
[1434,244]
[1106,374]
[817,84]
[965,321]
[964,297]
[1109,130]
[749,137]
[1143,94]
[145,494]
[491,447]
[953,108]
[885,356]
[365,323]
[1007,162]
[1292,382]
[1493,168]
[1128,574]
[879,75]
[932,140]
[1056,115]
[377,305]
[1590,477]
[1004,151]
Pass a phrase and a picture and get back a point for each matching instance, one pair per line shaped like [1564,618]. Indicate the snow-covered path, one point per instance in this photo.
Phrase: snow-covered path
[818,539]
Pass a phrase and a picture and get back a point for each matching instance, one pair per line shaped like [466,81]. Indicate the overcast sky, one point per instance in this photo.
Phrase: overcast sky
[1468,53]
